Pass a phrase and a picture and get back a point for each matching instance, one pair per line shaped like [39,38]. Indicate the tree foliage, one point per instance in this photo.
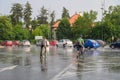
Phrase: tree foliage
[112,19]
[65,13]
[43,16]
[64,29]
[16,13]
[5,28]
[27,14]
[42,30]
[21,33]
[34,23]
[52,18]
[84,23]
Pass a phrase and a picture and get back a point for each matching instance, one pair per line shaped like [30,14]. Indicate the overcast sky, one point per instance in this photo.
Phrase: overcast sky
[57,5]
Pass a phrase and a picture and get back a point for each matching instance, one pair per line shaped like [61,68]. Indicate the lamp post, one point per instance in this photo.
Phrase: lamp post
[30,30]
[103,9]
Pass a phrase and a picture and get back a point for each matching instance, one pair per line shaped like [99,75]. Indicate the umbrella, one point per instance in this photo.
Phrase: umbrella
[101,42]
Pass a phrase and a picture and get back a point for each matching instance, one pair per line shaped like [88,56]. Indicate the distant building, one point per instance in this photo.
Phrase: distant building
[72,20]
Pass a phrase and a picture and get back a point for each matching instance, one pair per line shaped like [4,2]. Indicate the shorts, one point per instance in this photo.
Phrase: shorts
[79,46]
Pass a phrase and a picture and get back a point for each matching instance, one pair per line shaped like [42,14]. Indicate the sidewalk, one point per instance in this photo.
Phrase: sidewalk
[1,46]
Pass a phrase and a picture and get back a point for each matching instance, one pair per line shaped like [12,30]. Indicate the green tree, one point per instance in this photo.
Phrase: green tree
[42,30]
[43,16]
[65,13]
[16,13]
[52,18]
[98,32]
[64,29]
[6,29]
[37,32]
[27,14]
[84,23]
[112,19]
[34,23]
[21,33]
[45,30]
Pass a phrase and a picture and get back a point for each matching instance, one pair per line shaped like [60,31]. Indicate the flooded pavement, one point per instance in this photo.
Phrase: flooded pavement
[18,63]
[98,65]
[23,63]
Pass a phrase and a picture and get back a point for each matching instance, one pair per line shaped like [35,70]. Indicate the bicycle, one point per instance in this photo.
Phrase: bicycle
[80,52]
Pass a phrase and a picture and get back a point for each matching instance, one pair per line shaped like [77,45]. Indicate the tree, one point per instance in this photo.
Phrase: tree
[98,32]
[42,30]
[16,15]
[112,19]
[64,29]
[84,23]
[6,29]
[65,13]
[27,14]
[45,30]
[21,33]
[34,23]
[43,16]
[37,32]
[52,17]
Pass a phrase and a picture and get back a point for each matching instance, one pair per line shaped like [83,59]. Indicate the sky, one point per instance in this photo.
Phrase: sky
[73,6]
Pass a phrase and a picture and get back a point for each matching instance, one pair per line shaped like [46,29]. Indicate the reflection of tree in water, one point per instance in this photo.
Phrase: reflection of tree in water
[6,58]
[115,68]
[21,60]
[53,50]
[43,60]
[27,61]
[16,60]
[111,61]
[79,70]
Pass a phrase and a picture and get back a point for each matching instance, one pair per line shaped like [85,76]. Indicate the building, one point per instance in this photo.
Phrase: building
[72,20]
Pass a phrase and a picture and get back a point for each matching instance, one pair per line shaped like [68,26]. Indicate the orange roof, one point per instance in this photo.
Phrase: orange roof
[71,20]
[55,25]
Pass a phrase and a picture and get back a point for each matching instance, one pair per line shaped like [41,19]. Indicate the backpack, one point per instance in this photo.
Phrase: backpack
[43,43]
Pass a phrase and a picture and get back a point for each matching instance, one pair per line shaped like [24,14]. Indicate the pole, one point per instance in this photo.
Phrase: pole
[103,9]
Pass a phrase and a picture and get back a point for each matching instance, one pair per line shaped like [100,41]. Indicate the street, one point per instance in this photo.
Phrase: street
[23,63]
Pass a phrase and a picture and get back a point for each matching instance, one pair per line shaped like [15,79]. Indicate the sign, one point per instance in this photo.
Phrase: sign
[38,37]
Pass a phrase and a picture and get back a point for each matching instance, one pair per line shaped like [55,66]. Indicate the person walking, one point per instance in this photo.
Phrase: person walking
[43,46]
[43,54]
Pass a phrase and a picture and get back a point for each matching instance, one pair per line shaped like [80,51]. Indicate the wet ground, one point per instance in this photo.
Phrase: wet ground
[24,64]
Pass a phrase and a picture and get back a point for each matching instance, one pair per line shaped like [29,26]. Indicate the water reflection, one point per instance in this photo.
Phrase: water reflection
[43,58]
[79,70]
[27,49]
[53,50]
[22,60]
[93,53]
[15,56]
[65,53]
[104,61]
[115,68]
[9,49]
[43,62]
[112,61]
